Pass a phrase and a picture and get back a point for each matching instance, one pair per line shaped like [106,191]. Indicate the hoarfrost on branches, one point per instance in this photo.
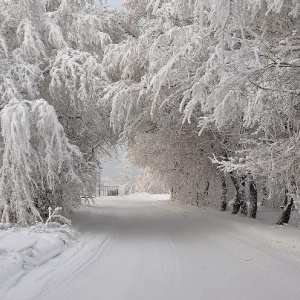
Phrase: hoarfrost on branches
[230,67]
[51,86]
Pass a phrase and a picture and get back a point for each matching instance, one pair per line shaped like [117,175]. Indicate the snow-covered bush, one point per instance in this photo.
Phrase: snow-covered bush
[56,224]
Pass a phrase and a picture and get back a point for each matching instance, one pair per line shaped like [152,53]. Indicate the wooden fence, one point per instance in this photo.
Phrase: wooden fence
[108,190]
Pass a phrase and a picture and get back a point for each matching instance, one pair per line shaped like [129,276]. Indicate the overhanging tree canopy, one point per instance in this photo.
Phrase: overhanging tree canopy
[51,87]
[230,66]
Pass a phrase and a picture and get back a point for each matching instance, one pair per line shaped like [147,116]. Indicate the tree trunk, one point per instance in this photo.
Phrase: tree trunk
[287,209]
[239,198]
[239,203]
[253,199]
[244,207]
[224,193]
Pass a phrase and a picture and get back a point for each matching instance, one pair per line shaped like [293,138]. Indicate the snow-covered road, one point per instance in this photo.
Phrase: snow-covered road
[131,250]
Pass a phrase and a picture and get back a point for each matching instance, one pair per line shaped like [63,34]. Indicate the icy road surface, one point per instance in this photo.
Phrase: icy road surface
[132,250]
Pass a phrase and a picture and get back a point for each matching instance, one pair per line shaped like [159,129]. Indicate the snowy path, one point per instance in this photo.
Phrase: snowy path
[161,251]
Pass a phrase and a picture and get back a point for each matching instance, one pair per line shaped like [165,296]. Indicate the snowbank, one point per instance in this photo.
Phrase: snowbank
[265,231]
[22,249]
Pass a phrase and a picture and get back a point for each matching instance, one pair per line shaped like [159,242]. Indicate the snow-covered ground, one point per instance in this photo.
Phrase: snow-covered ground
[135,197]
[160,250]
[23,249]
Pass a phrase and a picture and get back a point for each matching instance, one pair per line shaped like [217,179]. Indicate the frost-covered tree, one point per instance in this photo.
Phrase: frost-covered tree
[38,161]
[150,74]
[230,66]
[150,181]
[182,163]
[124,171]
[51,86]
[250,82]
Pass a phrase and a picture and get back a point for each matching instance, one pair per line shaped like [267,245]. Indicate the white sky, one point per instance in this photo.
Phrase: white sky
[114,3]
[110,167]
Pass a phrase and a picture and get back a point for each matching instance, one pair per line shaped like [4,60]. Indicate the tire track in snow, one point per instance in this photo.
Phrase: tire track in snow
[152,251]
[155,251]
[92,253]
[55,273]
[166,253]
